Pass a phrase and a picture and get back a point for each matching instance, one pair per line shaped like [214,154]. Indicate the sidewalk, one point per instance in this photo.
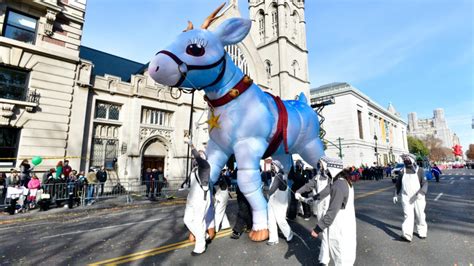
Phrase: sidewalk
[112,204]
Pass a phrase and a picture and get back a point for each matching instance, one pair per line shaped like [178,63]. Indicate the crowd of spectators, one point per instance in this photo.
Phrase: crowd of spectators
[22,189]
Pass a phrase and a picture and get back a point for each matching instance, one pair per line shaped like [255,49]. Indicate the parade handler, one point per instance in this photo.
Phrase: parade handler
[220,203]
[339,219]
[412,186]
[328,167]
[198,202]
[278,205]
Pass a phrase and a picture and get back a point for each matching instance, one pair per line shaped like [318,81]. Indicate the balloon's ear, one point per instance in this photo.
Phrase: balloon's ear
[233,30]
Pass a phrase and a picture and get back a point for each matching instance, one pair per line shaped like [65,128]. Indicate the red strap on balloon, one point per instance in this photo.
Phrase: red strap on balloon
[233,93]
[281,133]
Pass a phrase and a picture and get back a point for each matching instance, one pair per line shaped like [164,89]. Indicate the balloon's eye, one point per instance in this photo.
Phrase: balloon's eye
[195,50]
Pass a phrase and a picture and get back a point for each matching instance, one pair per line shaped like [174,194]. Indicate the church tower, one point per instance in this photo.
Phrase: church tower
[279,32]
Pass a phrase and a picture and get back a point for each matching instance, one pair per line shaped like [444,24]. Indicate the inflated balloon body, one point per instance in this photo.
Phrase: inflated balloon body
[243,120]
[36,160]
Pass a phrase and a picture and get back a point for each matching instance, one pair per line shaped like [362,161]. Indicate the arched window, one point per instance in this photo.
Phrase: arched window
[261,25]
[274,14]
[238,58]
[295,67]
[268,68]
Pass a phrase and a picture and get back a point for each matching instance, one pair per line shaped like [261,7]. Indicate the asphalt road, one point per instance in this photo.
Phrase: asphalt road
[154,234]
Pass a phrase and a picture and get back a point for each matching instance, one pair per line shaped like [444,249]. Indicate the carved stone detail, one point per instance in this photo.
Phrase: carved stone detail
[6,113]
[146,132]
[48,25]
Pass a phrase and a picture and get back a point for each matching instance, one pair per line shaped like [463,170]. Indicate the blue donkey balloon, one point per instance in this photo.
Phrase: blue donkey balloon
[244,120]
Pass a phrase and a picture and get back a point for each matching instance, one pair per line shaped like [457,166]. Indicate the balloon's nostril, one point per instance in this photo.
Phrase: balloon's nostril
[157,68]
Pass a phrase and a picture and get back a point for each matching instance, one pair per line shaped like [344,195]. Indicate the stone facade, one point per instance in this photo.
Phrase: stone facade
[39,56]
[84,110]
[356,119]
[435,126]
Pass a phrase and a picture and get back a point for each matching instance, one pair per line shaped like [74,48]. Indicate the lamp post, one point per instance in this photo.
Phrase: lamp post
[376,150]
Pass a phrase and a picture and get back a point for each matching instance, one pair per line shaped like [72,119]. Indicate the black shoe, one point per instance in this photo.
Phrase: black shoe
[420,237]
[194,254]
[235,235]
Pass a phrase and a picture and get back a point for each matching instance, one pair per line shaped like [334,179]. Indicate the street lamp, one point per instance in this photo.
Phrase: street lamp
[376,151]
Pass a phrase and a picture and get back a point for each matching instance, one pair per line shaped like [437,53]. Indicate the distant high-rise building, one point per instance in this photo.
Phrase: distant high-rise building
[435,126]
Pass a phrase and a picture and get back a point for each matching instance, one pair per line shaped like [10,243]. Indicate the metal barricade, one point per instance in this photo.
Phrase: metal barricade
[108,190]
[155,189]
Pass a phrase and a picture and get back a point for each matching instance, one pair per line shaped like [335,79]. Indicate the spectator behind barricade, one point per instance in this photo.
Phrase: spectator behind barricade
[25,170]
[67,169]
[161,180]
[48,175]
[33,186]
[102,177]
[14,179]
[148,175]
[3,186]
[59,169]
[91,181]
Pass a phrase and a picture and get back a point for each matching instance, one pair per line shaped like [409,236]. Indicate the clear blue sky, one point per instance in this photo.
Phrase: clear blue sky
[417,54]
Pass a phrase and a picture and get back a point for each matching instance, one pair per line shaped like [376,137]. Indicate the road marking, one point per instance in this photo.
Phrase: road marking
[372,192]
[451,178]
[439,195]
[154,251]
[462,178]
[187,243]
[104,228]
[472,178]
[452,182]
[442,178]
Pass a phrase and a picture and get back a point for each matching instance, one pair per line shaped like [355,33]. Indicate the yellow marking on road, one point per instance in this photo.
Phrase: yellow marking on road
[155,251]
[373,192]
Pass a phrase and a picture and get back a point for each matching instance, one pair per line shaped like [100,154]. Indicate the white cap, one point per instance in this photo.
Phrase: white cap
[279,167]
[333,165]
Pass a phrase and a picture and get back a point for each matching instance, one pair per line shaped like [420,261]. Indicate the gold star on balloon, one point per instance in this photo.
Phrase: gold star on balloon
[213,122]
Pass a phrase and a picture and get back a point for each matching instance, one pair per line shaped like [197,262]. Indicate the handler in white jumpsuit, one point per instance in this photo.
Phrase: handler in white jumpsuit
[339,220]
[197,205]
[278,205]
[328,167]
[412,186]
[221,198]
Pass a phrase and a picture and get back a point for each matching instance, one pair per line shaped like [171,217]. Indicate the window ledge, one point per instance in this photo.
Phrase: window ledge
[17,102]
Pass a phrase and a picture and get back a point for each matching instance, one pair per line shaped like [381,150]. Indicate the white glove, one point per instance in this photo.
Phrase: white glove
[395,199]
[188,141]
[419,196]
[298,197]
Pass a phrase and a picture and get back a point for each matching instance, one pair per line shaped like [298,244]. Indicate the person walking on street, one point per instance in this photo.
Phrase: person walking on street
[412,186]
[102,178]
[198,202]
[278,205]
[436,172]
[220,203]
[339,219]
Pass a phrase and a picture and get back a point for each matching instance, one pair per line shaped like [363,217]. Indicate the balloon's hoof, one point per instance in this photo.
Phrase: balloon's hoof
[259,235]
[211,232]
[191,237]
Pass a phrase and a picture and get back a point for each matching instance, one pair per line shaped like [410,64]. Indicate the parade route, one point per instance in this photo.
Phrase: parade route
[153,234]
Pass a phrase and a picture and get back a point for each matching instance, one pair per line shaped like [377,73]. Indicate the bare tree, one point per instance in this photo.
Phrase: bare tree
[437,151]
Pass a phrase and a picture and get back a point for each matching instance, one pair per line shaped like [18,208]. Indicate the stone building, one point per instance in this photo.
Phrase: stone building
[368,132]
[142,123]
[61,100]
[435,126]
[42,100]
